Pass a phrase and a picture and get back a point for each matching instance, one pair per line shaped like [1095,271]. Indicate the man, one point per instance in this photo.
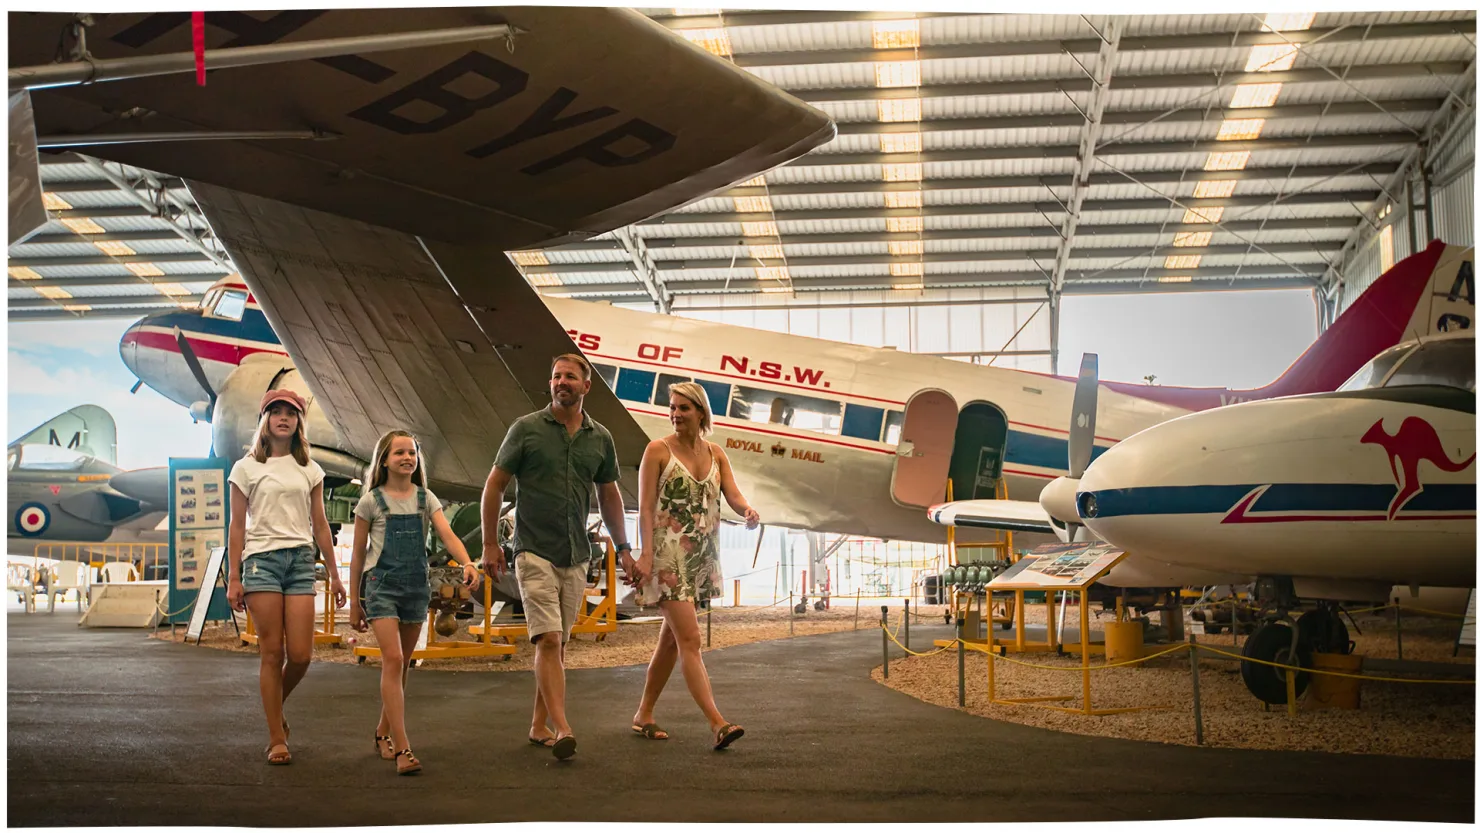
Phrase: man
[556,454]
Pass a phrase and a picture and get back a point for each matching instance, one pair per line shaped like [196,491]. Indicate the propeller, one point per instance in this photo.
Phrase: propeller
[191,361]
[1058,497]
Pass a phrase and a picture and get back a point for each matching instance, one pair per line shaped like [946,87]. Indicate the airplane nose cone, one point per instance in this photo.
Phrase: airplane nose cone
[128,346]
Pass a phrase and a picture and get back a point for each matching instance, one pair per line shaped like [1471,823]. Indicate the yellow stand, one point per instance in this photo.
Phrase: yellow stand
[600,619]
[452,648]
[327,634]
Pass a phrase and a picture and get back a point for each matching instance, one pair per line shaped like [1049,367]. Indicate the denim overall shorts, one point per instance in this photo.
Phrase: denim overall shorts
[398,587]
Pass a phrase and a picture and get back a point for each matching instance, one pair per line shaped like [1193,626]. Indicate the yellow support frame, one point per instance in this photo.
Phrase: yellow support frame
[600,619]
[96,555]
[453,648]
[328,634]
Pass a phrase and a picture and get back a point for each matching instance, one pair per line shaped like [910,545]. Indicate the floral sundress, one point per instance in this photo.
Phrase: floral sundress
[686,533]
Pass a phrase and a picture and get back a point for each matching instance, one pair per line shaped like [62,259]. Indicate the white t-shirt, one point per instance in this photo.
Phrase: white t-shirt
[279,493]
[368,509]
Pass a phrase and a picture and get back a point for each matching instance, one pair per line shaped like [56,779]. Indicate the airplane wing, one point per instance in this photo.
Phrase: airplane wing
[591,119]
[1012,515]
[453,349]
[87,428]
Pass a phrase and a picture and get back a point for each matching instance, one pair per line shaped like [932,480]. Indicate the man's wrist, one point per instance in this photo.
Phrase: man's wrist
[624,547]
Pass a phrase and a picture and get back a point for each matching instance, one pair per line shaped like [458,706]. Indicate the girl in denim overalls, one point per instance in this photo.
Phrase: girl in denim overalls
[392,594]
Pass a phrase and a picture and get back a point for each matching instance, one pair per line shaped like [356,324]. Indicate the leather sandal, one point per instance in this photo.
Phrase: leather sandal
[386,747]
[406,763]
[282,758]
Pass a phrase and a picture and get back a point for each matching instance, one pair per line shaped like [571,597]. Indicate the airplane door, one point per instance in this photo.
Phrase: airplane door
[922,462]
[976,462]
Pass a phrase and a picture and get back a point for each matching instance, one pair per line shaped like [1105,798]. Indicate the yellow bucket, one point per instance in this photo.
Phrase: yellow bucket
[1329,692]
[1123,640]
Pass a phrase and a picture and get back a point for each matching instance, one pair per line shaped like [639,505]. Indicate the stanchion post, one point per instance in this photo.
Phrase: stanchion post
[1290,691]
[906,623]
[791,612]
[1197,723]
[1233,617]
[960,667]
[1398,612]
[884,636]
[857,597]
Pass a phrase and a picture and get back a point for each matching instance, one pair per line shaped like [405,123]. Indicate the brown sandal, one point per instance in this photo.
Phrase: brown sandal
[287,734]
[282,758]
[410,765]
[386,747]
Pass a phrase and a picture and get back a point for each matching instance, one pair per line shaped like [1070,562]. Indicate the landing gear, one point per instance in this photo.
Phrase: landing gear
[1323,632]
[1274,642]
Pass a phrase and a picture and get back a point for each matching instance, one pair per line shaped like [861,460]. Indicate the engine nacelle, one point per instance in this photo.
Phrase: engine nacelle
[235,419]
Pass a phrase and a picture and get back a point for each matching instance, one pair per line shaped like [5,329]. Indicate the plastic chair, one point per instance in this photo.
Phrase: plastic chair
[68,575]
[119,571]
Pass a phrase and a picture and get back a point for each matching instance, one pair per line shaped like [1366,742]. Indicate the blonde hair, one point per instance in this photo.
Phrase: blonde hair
[573,358]
[376,475]
[695,394]
[298,445]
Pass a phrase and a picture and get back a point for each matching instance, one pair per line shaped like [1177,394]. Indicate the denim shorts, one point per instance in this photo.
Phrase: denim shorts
[287,571]
[396,594]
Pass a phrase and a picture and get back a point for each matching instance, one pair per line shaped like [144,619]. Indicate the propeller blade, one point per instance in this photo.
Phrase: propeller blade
[193,363]
[1082,427]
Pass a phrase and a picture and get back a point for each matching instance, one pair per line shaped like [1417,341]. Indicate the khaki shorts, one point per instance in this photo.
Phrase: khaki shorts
[552,596]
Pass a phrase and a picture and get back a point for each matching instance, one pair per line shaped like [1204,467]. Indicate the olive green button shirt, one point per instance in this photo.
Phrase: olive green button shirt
[554,472]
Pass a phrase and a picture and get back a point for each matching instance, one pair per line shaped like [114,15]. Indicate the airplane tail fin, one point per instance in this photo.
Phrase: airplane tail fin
[88,429]
[1429,292]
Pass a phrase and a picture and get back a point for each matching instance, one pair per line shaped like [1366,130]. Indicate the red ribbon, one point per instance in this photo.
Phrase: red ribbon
[198,35]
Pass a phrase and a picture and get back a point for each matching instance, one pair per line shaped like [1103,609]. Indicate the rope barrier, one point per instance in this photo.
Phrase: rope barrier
[1204,647]
[906,649]
[1407,608]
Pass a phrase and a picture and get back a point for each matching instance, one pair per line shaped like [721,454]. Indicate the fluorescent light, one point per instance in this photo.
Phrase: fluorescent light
[1214,189]
[908,172]
[897,74]
[755,182]
[899,142]
[899,109]
[775,290]
[773,273]
[1288,21]
[52,202]
[24,273]
[904,224]
[765,229]
[531,259]
[144,270]
[752,205]
[1202,215]
[1183,261]
[1255,95]
[896,34]
[171,289]
[56,293]
[1175,279]
[908,287]
[905,248]
[766,252]
[114,248]
[77,307]
[903,199]
[83,226]
[1233,130]
[1227,161]
[714,41]
[1272,58]
[1192,238]
[906,270]
[544,280]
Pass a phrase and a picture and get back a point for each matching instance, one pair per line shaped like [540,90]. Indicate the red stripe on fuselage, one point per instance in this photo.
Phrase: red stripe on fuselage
[204,349]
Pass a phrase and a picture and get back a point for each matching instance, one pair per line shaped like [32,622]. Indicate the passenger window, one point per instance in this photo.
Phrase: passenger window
[608,374]
[232,304]
[1372,372]
[719,396]
[660,396]
[863,422]
[893,424]
[1450,363]
[635,385]
[769,406]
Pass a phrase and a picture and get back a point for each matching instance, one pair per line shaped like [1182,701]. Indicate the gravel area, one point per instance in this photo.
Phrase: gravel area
[1406,719]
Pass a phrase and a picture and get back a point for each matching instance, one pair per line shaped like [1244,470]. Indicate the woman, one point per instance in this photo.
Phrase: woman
[681,478]
[277,516]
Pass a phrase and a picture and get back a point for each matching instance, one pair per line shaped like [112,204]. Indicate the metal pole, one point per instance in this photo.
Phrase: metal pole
[791,612]
[1233,617]
[960,667]
[857,597]
[1197,722]
[906,623]
[884,636]
[119,69]
[1398,608]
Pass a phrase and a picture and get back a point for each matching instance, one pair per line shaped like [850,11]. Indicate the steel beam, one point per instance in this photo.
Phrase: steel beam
[1136,282]
[102,260]
[117,280]
[107,301]
[70,237]
[642,265]
[186,208]
[56,313]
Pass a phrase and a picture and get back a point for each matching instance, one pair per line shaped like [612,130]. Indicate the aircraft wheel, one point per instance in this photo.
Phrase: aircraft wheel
[1322,631]
[360,659]
[1271,643]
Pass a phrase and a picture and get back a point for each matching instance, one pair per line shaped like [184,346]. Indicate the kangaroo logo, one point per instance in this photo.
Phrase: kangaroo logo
[1415,442]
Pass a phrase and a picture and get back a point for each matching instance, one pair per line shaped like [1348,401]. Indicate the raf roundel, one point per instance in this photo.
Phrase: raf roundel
[32,519]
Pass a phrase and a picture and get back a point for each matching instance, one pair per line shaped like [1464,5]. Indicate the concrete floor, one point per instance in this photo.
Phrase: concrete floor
[109,728]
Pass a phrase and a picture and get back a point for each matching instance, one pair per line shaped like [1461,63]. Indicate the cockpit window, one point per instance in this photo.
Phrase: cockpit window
[42,457]
[1449,362]
[232,304]
[11,458]
[1373,372]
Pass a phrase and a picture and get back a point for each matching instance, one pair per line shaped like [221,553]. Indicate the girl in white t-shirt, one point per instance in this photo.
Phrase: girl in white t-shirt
[277,517]
[388,576]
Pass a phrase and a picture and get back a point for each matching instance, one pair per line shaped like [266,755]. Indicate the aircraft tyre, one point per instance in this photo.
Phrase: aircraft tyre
[1271,643]
[1323,632]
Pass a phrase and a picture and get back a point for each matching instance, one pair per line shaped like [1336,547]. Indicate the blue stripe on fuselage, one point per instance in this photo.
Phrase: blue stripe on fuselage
[1025,449]
[1280,497]
[252,327]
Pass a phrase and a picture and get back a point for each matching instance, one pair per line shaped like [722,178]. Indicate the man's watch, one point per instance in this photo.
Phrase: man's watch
[624,547]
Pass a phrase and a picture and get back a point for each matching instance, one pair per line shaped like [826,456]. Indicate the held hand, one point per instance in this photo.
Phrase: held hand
[752,517]
[340,597]
[493,561]
[234,595]
[471,577]
[643,569]
[629,567]
[357,618]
